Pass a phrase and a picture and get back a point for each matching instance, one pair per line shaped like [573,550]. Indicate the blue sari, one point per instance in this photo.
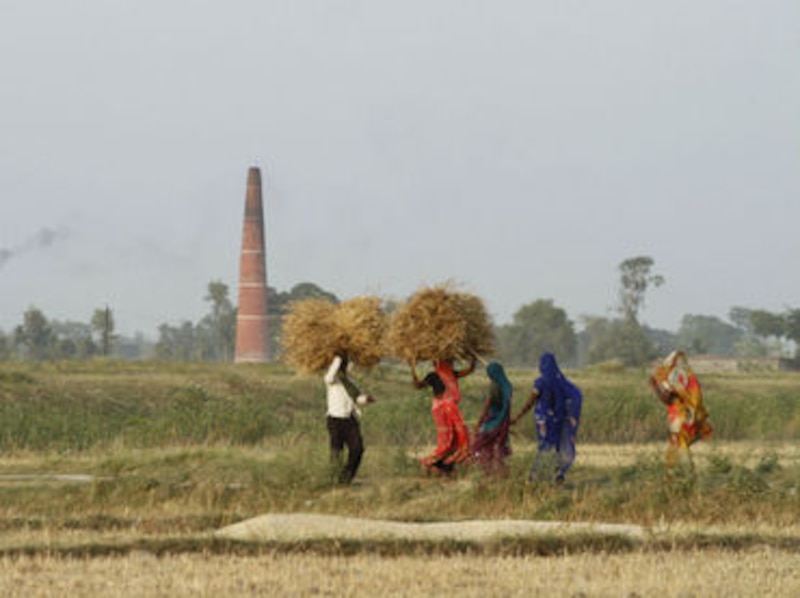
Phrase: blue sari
[557,415]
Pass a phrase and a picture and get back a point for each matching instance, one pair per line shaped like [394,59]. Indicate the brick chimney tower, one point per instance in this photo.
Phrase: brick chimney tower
[252,339]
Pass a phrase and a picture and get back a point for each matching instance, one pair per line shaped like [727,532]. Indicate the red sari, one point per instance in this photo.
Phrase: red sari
[452,437]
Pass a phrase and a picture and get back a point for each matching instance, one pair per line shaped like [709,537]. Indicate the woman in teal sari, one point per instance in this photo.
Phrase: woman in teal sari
[491,445]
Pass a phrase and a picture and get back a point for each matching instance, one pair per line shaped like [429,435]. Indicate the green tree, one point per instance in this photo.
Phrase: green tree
[213,338]
[278,302]
[635,279]
[5,347]
[792,329]
[750,344]
[767,324]
[34,337]
[72,340]
[537,327]
[782,327]
[625,339]
[661,341]
[177,343]
[740,316]
[103,324]
[621,339]
[708,334]
[218,328]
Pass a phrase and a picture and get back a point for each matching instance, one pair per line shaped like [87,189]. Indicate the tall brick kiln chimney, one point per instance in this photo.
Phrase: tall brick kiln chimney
[252,339]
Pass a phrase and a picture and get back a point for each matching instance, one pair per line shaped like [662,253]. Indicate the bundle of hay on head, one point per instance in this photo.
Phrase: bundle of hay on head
[362,324]
[309,335]
[480,331]
[438,323]
[315,330]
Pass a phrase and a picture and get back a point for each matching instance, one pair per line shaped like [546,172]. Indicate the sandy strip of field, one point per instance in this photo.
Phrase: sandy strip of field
[293,527]
[44,478]
[299,526]
[745,453]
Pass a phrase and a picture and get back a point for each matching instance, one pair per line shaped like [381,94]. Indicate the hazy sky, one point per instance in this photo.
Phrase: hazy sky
[520,148]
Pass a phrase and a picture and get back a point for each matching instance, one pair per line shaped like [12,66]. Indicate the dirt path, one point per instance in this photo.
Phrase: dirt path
[292,527]
[42,478]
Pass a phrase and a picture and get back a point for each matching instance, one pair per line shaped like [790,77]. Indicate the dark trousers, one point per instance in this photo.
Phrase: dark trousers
[345,432]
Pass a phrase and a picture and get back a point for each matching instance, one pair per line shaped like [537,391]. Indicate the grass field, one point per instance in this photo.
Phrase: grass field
[117,475]
[759,571]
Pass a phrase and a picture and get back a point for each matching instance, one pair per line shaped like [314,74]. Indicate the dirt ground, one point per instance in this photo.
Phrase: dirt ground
[298,526]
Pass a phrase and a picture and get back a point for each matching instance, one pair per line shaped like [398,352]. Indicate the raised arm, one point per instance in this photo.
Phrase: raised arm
[418,384]
[662,391]
[467,370]
[333,369]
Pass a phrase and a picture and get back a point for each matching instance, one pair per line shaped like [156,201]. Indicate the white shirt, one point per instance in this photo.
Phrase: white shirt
[340,403]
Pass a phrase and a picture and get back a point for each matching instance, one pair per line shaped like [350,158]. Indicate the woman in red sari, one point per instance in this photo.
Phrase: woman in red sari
[452,437]
[451,432]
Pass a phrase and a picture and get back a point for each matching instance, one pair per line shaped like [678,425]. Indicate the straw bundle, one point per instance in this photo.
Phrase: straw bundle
[315,330]
[362,324]
[438,323]
[309,334]
[480,330]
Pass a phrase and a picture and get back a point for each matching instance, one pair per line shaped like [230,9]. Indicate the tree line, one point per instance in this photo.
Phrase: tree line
[535,327]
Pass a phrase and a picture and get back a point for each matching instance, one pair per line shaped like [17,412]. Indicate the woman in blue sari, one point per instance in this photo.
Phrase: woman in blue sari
[557,415]
[491,445]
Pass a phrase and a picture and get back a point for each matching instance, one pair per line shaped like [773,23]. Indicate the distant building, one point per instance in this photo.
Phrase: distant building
[252,334]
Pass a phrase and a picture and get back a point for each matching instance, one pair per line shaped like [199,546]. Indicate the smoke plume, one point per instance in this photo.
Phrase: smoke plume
[42,239]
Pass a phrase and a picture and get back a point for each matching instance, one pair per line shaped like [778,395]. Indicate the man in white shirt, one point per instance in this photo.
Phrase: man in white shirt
[344,397]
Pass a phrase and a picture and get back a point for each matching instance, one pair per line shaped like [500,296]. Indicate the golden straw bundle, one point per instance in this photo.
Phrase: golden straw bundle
[438,323]
[315,330]
[362,324]
[480,330]
[309,334]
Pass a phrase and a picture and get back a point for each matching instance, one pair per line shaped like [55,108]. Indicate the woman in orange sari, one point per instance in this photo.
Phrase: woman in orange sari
[687,418]
[452,437]
[451,432]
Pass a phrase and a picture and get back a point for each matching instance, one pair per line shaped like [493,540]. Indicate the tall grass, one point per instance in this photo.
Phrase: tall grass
[80,406]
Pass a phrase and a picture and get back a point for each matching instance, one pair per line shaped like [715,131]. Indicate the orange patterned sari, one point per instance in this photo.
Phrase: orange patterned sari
[677,386]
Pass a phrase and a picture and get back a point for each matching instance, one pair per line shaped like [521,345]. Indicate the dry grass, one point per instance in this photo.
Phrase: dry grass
[309,335]
[314,330]
[440,323]
[759,571]
[398,556]
[746,453]
[363,323]
[480,330]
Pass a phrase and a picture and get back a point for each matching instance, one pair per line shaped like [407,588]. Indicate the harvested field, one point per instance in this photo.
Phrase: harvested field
[759,571]
[136,480]
[440,323]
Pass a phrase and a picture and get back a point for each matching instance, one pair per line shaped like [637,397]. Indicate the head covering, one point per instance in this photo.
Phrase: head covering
[499,411]
[497,375]
[435,382]
[548,367]
[566,398]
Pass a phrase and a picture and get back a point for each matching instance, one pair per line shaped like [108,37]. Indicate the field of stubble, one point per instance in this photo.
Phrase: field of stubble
[758,571]
[133,479]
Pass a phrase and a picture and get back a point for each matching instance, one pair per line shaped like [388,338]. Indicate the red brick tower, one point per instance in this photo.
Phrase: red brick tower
[252,339]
